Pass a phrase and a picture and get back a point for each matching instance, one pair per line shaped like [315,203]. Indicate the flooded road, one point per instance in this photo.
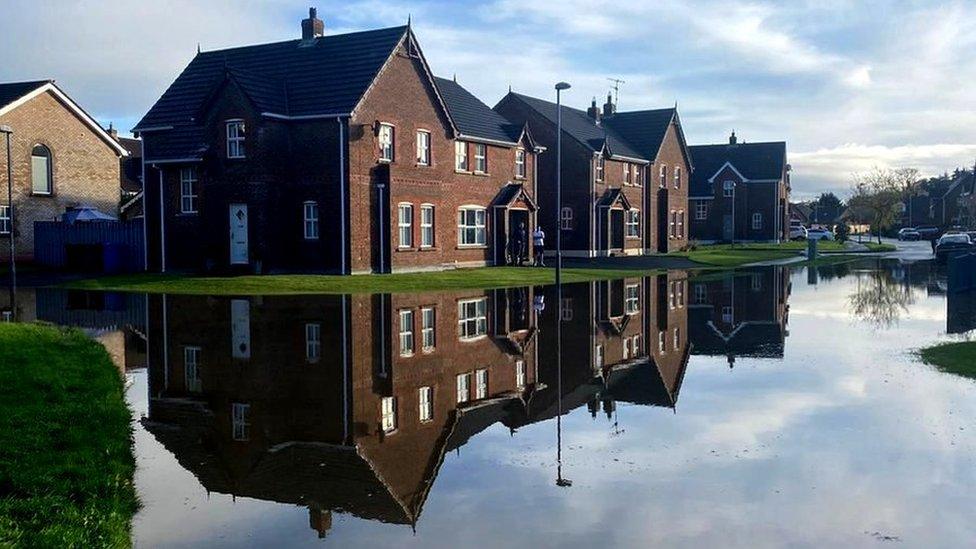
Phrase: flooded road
[767,407]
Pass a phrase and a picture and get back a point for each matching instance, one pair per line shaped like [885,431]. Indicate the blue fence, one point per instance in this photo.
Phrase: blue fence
[105,246]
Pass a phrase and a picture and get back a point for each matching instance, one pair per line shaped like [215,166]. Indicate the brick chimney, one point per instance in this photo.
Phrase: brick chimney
[594,112]
[112,131]
[733,139]
[609,109]
[313,27]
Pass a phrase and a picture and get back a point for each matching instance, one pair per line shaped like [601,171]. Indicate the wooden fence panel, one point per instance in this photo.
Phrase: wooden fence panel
[52,239]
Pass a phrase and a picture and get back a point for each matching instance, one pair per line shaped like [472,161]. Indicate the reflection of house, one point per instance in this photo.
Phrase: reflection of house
[338,153]
[740,191]
[253,395]
[61,156]
[742,313]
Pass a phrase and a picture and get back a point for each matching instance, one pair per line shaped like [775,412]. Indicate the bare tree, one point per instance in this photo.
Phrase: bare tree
[908,183]
[877,194]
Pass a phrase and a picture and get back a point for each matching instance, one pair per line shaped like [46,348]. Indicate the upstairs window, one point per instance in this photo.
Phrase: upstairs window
[428,327]
[460,156]
[639,173]
[520,163]
[426,398]
[235,138]
[627,174]
[757,221]
[42,174]
[386,143]
[241,421]
[406,333]
[701,210]
[188,190]
[601,166]
[566,218]
[663,176]
[423,148]
[388,412]
[480,158]
[472,318]
[632,299]
[311,214]
[5,226]
[728,189]
[677,177]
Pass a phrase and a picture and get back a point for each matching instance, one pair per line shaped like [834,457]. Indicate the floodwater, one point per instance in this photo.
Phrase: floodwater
[770,407]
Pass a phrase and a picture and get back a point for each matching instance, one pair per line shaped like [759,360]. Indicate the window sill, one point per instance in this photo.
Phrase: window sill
[236,158]
[306,239]
[405,249]
[46,195]
[428,249]
[472,247]
[188,214]
[471,339]
[520,178]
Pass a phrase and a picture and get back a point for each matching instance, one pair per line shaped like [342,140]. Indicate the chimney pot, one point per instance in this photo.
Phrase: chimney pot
[594,112]
[313,27]
[733,139]
[609,109]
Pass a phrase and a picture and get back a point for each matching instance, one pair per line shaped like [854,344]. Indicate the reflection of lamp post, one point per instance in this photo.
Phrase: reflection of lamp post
[733,213]
[560,481]
[7,131]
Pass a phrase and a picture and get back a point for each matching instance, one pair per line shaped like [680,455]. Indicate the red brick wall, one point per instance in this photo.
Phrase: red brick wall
[671,155]
[85,167]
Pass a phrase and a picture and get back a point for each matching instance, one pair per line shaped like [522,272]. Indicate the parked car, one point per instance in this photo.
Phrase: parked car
[952,244]
[909,233]
[798,232]
[819,233]
[928,232]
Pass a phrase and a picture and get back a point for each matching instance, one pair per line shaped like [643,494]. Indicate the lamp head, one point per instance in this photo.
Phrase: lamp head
[562,86]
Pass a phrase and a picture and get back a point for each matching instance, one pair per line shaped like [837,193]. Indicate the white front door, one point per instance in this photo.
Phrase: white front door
[240,328]
[238,234]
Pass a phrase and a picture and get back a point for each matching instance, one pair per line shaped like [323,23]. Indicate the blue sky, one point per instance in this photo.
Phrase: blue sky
[848,85]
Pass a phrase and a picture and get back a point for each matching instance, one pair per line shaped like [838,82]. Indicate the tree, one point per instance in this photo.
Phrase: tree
[829,207]
[877,194]
[910,186]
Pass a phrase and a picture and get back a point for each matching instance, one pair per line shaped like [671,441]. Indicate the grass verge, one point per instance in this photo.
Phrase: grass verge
[487,277]
[953,358]
[875,247]
[66,462]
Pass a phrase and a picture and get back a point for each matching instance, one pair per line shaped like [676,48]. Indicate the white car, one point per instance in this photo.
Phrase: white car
[819,234]
[798,232]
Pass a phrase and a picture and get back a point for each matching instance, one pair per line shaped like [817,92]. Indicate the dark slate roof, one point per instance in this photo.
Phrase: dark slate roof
[328,75]
[611,196]
[755,161]
[180,142]
[472,117]
[645,130]
[15,90]
[580,126]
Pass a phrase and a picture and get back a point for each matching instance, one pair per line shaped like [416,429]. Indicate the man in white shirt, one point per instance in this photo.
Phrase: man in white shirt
[538,243]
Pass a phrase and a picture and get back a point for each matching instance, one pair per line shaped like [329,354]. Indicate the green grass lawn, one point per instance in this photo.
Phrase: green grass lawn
[726,255]
[953,358]
[488,277]
[875,247]
[66,463]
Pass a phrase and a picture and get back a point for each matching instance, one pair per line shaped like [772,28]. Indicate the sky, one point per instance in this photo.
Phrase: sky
[848,85]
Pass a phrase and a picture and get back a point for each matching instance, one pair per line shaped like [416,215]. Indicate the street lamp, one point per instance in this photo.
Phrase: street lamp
[560,481]
[8,132]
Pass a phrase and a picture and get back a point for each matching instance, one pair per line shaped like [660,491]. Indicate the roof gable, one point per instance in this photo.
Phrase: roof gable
[752,161]
[325,77]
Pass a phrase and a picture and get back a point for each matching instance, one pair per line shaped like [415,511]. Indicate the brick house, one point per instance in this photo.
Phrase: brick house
[338,153]
[740,190]
[62,158]
[624,177]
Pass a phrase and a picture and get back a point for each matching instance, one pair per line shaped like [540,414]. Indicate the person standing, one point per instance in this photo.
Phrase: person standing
[539,245]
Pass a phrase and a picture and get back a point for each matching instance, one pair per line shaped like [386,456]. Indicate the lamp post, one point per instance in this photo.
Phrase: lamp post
[734,185]
[8,132]
[560,481]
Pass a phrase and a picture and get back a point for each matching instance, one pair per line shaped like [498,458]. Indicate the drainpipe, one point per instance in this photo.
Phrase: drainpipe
[162,222]
[145,216]
[342,196]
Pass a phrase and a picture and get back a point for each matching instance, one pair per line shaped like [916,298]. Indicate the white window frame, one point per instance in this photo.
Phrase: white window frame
[520,163]
[404,225]
[6,227]
[640,173]
[701,293]
[191,368]
[566,218]
[757,221]
[632,223]
[405,327]
[681,223]
[428,329]
[701,210]
[472,318]
[425,397]
[677,177]
[48,167]
[598,356]
[463,392]
[663,176]
[627,175]
[600,169]
[728,188]
[480,158]
[388,414]
[676,338]
[481,384]
[427,236]
[626,351]
[662,342]
[386,136]
[240,414]
[310,215]
[632,299]
[313,342]
[520,374]
[188,191]
[635,345]
[423,148]
[461,159]
[236,133]
[479,228]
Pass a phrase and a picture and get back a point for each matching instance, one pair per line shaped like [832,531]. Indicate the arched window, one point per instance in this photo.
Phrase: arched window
[42,177]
